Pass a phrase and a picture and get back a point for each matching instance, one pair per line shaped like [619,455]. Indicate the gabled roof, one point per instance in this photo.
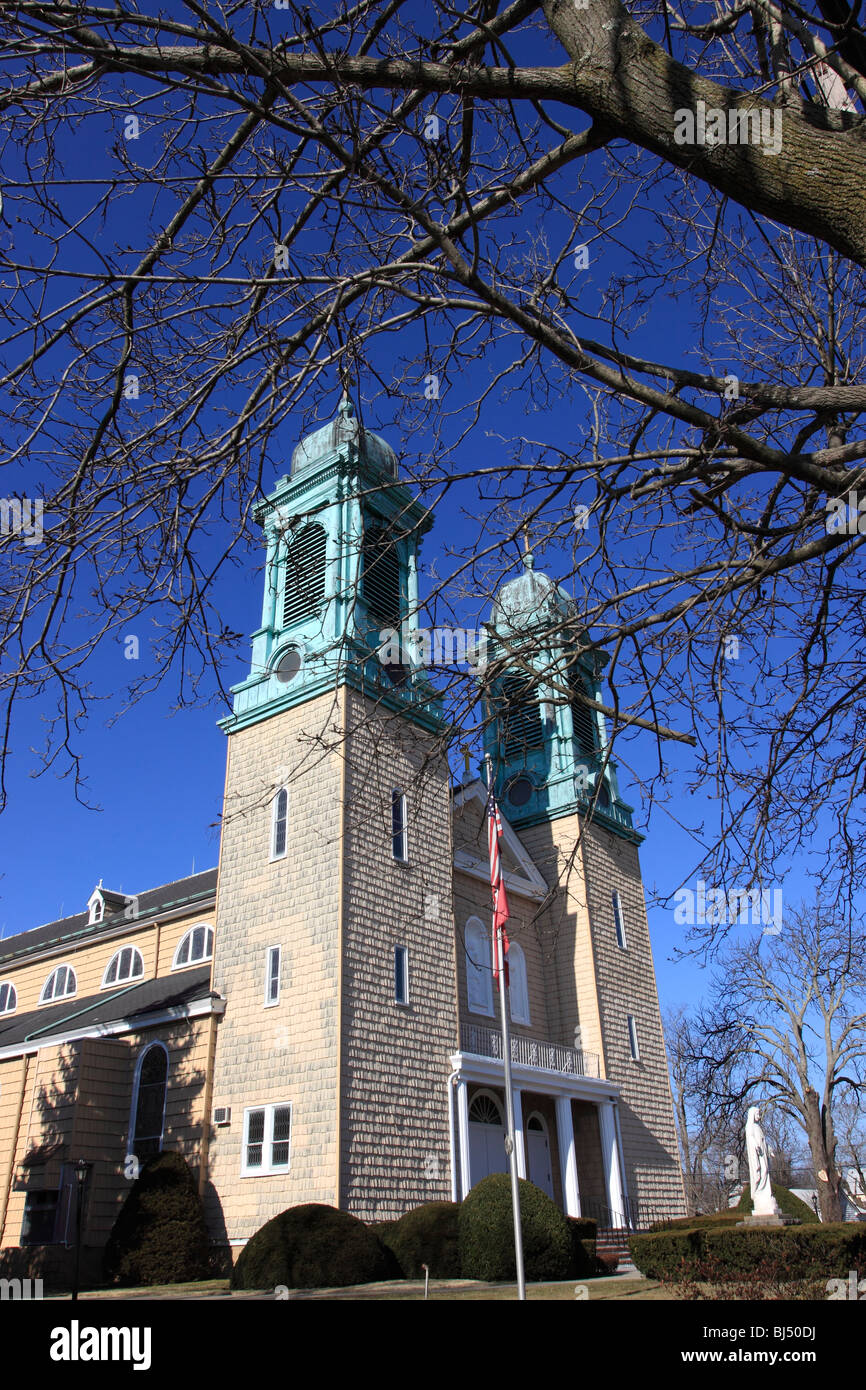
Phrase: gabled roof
[181,892]
[518,867]
[132,1004]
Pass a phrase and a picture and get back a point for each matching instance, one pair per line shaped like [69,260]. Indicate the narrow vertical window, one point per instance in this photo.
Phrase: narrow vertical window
[401,975]
[618,922]
[272,977]
[255,1139]
[399,835]
[281,1136]
[280,824]
[632,1039]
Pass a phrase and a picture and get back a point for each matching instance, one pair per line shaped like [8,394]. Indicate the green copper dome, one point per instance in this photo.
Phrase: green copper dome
[343,432]
[529,600]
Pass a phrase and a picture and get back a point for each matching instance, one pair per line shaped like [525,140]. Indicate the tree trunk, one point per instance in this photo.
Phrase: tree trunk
[822,1145]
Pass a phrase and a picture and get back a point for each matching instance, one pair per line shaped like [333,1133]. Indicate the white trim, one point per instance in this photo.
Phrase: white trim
[124,979]
[567,1155]
[7,1013]
[58,998]
[619,921]
[527,880]
[463,1131]
[82,938]
[516,952]
[403,1003]
[404,826]
[274,857]
[130,1133]
[269,1169]
[197,960]
[487,1071]
[269,1002]
[633,1043]
[201,1008]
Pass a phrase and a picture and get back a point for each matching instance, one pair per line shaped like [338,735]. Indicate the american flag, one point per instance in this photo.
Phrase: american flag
[497,884]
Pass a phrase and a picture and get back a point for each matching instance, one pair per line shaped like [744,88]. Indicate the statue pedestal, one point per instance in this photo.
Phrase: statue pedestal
[780,1220]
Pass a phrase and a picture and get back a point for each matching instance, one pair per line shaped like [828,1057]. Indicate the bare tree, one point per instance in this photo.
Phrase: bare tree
[785,1024]
[276,198]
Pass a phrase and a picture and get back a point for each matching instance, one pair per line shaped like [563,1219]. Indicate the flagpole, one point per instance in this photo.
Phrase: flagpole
[510,1145]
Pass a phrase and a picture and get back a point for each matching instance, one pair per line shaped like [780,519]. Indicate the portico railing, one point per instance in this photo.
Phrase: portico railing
[529,1052]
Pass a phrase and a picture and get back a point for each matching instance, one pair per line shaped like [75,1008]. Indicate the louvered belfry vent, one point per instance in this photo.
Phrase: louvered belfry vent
[582,717]
[304,586]
[521,716]
[382,576]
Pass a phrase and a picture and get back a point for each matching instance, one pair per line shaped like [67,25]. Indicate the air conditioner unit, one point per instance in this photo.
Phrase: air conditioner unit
[222,1115]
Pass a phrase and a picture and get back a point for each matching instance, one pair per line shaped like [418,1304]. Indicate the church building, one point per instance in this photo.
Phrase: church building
[315,1019]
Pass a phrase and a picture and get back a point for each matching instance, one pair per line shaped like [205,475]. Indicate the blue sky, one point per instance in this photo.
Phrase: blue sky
[156,772]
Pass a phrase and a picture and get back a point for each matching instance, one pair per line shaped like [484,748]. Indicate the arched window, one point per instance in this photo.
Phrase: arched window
[519,985]
[520,716]
[148,1102]
[619,923]
[582,717]
[304,573]
[479,978]
[280,824]
[8,998]
[381,576]
[125,964]
[196,946]
[61,983]
[485,1110]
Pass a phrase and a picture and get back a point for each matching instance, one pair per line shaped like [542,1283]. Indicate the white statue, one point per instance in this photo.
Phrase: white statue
[763,1201]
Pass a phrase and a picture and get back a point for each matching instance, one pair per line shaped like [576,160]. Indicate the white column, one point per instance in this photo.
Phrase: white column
[463,1134]
[519,1142]
[567,1155]
[610,1159]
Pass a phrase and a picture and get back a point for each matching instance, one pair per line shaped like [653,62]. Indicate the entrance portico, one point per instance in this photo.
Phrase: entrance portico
[554,1086]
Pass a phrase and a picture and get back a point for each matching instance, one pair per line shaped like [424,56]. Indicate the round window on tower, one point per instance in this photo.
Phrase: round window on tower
[519,791]
[289,666]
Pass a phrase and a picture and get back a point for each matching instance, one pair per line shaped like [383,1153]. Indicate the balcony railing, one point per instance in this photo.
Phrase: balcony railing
[529,1052]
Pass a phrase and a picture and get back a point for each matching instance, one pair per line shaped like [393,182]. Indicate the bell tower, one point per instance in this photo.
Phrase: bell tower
[333,945]
[547,742]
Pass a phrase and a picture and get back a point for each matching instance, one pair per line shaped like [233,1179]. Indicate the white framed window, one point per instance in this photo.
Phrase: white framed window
[61,984]
[399,828]
[280,824]
[267,1141]
[519,985]
[272,976]
[125,964]
[619,922]
[401,975]
[194,947]
[479,971]
[8,997]
[632,1039]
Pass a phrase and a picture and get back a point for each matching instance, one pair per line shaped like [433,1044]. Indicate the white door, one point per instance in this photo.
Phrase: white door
[486,1138]
[538,1154]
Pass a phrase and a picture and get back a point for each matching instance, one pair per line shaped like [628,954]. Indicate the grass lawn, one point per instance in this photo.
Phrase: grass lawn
[623,1287]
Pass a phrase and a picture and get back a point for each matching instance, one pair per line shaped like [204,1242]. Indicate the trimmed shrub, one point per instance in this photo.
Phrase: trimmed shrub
[788,1204]
[732,1216]
[160,1236]
[309,1247]
[426,1235]
[584,1260]
[486,1233]
[785,1253]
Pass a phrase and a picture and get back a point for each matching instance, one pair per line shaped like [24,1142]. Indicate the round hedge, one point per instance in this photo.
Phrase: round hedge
[426,1235]
[160,1235]
[310,1247]
[486,1233]
[787,1203]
